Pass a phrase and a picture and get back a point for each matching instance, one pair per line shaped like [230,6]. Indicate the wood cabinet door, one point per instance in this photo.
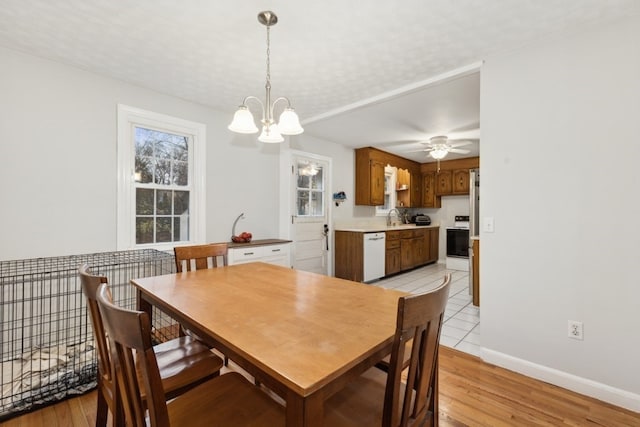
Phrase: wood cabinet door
[376,195]
[392,261]
[461,181]
[416,190]
[406,254]
[429,190]
[443,183]
[434,247]
[426,246]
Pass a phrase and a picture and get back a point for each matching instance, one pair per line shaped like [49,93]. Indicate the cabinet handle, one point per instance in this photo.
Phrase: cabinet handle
[275,250]
[248,253]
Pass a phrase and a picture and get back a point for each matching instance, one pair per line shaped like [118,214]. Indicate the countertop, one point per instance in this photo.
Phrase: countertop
[261,242]
[374,229]
[476,237]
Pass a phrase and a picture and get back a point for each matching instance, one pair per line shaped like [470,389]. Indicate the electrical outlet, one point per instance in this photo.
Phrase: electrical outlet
[575,330]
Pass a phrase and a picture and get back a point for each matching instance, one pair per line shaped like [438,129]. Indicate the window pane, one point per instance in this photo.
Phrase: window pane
[303,181]
[144,169]
[180,148]
[181,202]
[164,202]
[163,146]
[303,203]
[317,180]
[181,228]
[315,207]
[144,230]
[163,230]
[144,201]
[163,172]
[180,173]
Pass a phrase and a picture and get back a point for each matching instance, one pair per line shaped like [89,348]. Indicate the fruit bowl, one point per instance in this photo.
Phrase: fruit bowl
[244,237]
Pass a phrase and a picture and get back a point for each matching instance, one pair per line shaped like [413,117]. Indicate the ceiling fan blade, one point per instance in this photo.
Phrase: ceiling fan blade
[460,143]
[459,151]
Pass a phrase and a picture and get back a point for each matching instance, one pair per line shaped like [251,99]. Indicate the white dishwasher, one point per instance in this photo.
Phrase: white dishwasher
[374,256]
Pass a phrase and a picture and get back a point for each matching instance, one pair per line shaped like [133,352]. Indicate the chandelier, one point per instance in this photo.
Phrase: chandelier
[272,132]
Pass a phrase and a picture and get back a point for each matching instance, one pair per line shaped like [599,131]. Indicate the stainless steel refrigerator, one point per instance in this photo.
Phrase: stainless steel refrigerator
[474,217]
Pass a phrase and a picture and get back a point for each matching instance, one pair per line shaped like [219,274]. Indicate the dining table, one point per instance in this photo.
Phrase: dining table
[303,335]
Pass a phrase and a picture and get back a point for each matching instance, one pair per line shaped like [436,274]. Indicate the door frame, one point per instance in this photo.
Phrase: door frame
[286,198]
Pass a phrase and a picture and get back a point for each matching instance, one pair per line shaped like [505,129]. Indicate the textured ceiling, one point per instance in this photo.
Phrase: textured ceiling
[325,54]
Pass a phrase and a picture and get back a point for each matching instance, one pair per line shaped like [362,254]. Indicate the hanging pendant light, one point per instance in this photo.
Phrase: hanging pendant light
[243,121]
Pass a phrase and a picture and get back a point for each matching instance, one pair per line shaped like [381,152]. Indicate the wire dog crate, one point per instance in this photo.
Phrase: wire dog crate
[46,338]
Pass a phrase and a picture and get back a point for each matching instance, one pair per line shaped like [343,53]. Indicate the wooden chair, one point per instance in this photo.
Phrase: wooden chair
[387,399]
[201,255]
[227,400]
[183,362]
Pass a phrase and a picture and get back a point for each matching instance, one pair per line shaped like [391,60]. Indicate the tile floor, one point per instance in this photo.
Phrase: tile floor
[461,329]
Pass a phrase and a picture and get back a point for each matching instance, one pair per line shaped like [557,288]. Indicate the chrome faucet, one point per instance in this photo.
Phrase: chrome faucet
[389,215]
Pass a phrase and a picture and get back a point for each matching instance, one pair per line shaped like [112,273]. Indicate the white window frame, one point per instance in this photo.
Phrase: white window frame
[128,119]
[392,173]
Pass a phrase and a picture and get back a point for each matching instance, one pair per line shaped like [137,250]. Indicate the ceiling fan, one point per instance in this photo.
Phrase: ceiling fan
[439,146]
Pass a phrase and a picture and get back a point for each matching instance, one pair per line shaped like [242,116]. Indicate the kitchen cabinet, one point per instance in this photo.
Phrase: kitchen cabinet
[404,249]
[409,193]
[272,253]
[416,190]
[349,255]
[460,182]
[452,182]
[369,179]
[392,258]
[370,185]
[429,199]
[443,182]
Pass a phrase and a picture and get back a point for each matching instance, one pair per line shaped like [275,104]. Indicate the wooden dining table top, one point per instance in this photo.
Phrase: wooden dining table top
[301,329]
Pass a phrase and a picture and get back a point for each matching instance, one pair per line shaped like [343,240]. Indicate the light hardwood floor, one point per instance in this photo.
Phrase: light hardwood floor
[472,393]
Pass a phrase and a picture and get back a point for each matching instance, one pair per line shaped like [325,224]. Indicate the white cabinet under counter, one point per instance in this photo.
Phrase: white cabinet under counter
[272,251]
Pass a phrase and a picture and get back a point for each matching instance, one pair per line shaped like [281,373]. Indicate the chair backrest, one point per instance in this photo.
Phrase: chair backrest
[419,319]
[129,333]
[201,255]
[90,284]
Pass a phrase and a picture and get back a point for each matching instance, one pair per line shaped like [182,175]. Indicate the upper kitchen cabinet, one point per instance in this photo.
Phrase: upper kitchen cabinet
[460,182]
[370,186]
[452,179]
[452,182]
[429,199]
[443,183]
[369,179]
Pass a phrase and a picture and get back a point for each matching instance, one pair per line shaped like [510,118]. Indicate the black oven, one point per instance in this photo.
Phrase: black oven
[458,242]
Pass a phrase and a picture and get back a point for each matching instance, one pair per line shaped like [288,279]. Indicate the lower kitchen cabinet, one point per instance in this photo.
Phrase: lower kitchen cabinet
[277,253]
[392,256]
[404,250]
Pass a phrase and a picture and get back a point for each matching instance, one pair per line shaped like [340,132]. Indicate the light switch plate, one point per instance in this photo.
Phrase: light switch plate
[488,224]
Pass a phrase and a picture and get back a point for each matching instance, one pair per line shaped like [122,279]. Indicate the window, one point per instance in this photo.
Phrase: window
[310,189]
[389,191]
[161,194]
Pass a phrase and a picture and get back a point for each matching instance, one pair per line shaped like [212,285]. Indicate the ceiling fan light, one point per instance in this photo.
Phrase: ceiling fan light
[270,134]
[243,121]
[438,153]
[289,122]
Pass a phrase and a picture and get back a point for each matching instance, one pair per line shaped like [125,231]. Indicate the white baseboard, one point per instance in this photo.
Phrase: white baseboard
[612,395]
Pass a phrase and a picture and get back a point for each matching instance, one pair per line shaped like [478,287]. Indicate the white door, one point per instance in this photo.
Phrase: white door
[310,212]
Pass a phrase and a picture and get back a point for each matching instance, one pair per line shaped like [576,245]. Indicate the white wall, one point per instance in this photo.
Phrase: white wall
[58,151]
[559,160]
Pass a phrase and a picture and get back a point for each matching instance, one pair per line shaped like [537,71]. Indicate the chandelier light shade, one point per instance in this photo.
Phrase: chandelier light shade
[288,124]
